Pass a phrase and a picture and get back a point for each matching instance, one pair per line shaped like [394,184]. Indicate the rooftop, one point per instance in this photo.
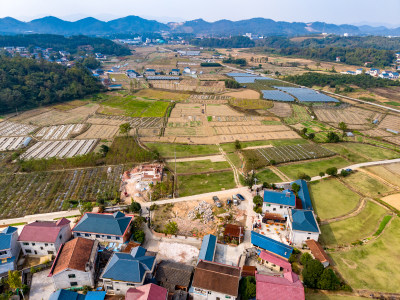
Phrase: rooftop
[42,231]
[217,277]
[113,224]
[234,230]
[171,274]
[208,246]
[304,194]
[147,292]
[271,245]
[272,258]
[6,237]
[130,267]
[277,287]
[73,255]
[71,295]
[304,220]
[317,251]
[285,197]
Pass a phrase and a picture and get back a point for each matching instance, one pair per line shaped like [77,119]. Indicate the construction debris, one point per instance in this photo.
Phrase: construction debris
[202,211]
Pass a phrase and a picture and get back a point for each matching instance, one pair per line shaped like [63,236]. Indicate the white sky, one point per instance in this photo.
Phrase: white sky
[374,12]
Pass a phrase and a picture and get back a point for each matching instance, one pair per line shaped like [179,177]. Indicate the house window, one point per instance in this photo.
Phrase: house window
[274,209]
[25,244]
[281,206]
[28,251]
[71,276]
[3,252]
[33,244]
[98,235]
[50,252]
[46,244]
[117,238]
[41,248]
[78,234]
[109,237]
[60,236]
[74,283]
[87,234]
[308,238]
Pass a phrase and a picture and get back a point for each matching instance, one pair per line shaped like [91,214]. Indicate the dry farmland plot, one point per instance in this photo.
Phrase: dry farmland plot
[262,157]
[251,103]
[221,110]
[249,129]
[212,77]
[99,131]
[60,149]
[8,128]
[349,115]
[208,99]
[43,192]
[300,114]
[283,110]
[11,143]
[390,122]
[244,94]
[60,132]
[146,122]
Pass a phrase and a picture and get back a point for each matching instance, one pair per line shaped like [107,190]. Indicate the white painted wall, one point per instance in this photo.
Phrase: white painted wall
[201,294]
[63,281]
[276,209]
[99,237]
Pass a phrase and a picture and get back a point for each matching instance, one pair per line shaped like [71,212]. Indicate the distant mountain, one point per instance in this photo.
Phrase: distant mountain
[134,24]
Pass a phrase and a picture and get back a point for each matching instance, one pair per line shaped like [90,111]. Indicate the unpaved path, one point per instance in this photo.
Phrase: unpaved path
[213,158]
[279,173]
[235,170]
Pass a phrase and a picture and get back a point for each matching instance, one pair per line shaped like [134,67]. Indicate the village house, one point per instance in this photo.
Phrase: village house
[127,270]
[278,202]
[150,72]
[274,262]
[270,245]
[175,277]
[286,286]
[215,281]
[318,252]
[9,249]
[208,247]
[132,74]
[112,228]
[44,237]
[175,72]
[147,292]
[374,72]
[302,226]
[71,295]
[359,71]
[75,264]
[233,232]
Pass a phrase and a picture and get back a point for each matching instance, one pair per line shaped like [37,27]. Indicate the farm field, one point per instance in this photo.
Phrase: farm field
[149,122]
[199,166]
[367,185]
[349,115]
[378,257]
[132,107]
[331,198]
[60,132]
[364,151]
[99,131]
[251,103]
[283,110]
[268,176]
[152,94]
[313,168]
[182,150]
[354,228]
[60,149]
[387,172]
[331,297]
[300,114]
[11,143]
[8,128]
[244,94]
[235,159]
[41,192]
[258,158]
[230,147]
[204,183]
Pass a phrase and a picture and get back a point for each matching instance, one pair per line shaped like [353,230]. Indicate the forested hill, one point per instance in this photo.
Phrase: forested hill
[27,83]
[59,42]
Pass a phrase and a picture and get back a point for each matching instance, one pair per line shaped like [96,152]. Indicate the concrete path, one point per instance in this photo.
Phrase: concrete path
[41,217]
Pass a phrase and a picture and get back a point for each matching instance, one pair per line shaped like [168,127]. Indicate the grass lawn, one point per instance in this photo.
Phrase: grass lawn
[235,159]
[137,108]
[331,198]
[385,174]
[355,228]
[199,166]
[369,152]
[313,168]
[205,183]
[331,297]
[367,185]
[342,150]
[268,176]
[374,266]
[161,95]
[182,150]
[230,147]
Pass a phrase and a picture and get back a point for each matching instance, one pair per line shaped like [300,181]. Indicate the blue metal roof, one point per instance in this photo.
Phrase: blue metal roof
[285,197]
[208,246]
[271,245]
[98,295]
[71,295]
[129,267]
[304,194]
[115,224]
[304,220]
[6,237]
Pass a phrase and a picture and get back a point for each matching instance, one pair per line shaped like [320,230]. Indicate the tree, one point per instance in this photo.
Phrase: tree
[104,150]
[322,174]
[238,146]
[303,176]
[305,257]
[247,287]
[311,273]
[343,127]
[14,280]
[125,128]
[332,171]
[266,185]
[295,187]
[311,135]
[258,200]
[332,137]
[328,280]
[139,236]
[171,228]
[292,258]
[304,130]
[135,207]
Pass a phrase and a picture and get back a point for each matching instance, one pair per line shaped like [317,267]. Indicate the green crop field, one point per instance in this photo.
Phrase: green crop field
[198,166]
[313,168]
[367,185]
[300,114]
[182,150]
[355,228]
[133,107]
[204,183]
[230,147]
[374,266]
[268,176]
[331,198]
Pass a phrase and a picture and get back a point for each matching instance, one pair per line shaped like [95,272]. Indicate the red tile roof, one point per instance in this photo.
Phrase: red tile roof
[278,288]
[317,251]
[73,255]
[42,231]
[268,256]
[147,292]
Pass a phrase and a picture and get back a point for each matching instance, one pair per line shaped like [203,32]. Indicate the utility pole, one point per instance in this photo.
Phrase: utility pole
[175,176]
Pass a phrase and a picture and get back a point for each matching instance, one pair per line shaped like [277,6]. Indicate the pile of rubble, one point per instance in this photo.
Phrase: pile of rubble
[205,210]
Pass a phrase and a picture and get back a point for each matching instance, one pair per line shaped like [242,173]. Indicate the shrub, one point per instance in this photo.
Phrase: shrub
[305,257]
[328,280]
[135,207]
[304,176]
[258,200]
[312,272]
[247,287]
[322,174]
[332,171]
[292,258]
[171,228]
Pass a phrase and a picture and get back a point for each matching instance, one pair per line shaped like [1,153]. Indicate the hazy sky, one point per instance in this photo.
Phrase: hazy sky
[333,11]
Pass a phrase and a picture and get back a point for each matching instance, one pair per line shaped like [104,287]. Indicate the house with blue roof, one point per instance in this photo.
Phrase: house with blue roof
[71,295]
[9,249]
[303,226]
[208,247]
[175,72]
[271,245]
[304,195]
[132,74]
[278,202]
[150,72]
[111,228]
[127,270]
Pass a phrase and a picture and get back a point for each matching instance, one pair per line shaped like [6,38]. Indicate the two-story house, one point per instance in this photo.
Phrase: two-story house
[75,264]
[9,249]
[44,237]
[278,202]
[127,270]
[113,228]
[302,226]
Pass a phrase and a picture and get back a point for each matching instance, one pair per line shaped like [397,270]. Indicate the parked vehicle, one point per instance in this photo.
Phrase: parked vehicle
[240,197]
[236,201]
[215,198]
[229,201]
[218,203]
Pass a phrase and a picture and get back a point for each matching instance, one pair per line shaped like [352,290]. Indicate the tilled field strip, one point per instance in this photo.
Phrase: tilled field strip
[8,128]
[59,132]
